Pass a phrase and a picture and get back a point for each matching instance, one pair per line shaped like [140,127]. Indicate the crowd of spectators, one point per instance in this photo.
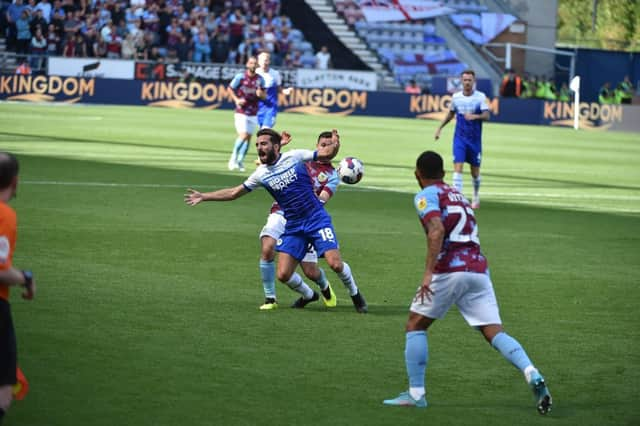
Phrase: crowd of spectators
[514,86]
[532,87]
[222,31]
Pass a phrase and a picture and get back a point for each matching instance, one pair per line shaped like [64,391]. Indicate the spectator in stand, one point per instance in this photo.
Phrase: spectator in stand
[38,49]
[81,46]
[23,68]
[412,88]
[605,96]
[23,33]
[201,46]
[269,39]
[37,21]
[117,14]
[236,29]
[296,59]
[71,26]
[128,46]
[53,41]
[511,86]
[46,9]
[183,48]
[14,12]
[624,91]
[201,10]
[323,58]
[564,94]
[69,49]
[220,48]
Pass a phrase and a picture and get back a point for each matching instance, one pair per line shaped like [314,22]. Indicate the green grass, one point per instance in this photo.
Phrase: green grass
[147,309]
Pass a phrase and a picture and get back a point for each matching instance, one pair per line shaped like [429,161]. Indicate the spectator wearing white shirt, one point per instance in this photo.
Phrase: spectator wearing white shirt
[323,58]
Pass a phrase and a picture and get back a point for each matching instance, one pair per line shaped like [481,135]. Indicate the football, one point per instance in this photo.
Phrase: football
[350,170]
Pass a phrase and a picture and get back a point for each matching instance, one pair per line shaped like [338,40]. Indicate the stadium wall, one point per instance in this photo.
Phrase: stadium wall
[176,94]
[595,67]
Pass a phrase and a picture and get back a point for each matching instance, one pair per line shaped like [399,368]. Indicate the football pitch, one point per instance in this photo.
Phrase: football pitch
[147,309]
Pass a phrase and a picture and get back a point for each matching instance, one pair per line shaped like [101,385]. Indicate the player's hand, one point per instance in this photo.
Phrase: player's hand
[240,102]
[193,197]
[470,117]
[285,138]
[425,290]
[437,135]
[287,91]
[29,290]
[335,140]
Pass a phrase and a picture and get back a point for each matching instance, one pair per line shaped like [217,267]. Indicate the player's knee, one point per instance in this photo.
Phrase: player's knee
[268,250]
[284,276]
[311,270]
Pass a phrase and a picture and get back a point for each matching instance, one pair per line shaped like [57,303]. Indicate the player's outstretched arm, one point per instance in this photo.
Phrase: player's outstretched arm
[446,120]
[193,197]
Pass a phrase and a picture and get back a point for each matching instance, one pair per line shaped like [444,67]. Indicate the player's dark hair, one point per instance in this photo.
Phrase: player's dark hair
[468,71]
[325,135]
[273,135]
[8,169]
[430,165]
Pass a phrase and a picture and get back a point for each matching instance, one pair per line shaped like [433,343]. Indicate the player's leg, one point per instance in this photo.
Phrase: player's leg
[334,260]
[479,307]
[240,123]
[423,312]
[270,233]
[291,250]
[316,274]
[458,163]
[474,162]
[251,124]
[269,118]
[8,358]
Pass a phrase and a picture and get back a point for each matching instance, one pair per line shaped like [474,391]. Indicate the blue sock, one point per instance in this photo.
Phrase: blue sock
[242,152]
[511,350]
[236,148]
[268,274]
[416,354]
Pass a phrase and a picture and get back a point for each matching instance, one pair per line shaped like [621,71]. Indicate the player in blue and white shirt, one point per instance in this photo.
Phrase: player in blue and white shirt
[325,181]
[268,107]
[287,179]
[470,109]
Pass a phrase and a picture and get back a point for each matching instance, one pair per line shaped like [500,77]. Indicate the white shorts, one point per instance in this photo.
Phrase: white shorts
[471,292]
[245,123]
[274,228]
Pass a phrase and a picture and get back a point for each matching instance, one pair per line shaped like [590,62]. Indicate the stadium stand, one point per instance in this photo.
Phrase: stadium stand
[412,50]
[167,30]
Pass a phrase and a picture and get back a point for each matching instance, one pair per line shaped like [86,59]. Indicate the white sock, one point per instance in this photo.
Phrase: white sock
[348,280]
[457,181]
[416,393]
[295,283]
[476,186]
[528,371]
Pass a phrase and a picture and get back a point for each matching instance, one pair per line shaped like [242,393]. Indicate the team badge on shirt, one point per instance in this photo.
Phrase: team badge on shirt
[322,177]
[422,203]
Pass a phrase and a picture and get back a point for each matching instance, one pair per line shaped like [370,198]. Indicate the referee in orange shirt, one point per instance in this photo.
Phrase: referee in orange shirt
[9,276]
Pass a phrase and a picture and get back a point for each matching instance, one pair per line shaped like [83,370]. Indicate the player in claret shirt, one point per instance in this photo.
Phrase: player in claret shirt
[456,272]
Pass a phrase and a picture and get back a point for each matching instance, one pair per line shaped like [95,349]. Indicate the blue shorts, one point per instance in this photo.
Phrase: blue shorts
[467,153]
[267,117]
[298,235]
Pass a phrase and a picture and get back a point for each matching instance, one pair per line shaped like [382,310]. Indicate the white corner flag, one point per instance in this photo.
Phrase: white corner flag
[575,86]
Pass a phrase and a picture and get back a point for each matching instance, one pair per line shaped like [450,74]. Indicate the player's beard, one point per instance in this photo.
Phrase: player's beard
[268,156]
